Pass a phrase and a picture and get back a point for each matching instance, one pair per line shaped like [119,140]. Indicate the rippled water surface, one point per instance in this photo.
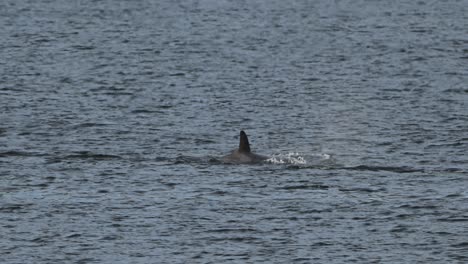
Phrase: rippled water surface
[113,116]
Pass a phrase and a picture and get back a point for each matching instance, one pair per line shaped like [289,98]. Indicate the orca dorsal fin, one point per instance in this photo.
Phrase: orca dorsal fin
[244,145]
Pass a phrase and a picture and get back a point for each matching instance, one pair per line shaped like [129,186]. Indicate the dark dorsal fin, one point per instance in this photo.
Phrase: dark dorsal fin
[244,145]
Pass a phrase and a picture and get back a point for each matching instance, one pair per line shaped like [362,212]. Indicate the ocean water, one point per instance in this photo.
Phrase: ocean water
[113,116]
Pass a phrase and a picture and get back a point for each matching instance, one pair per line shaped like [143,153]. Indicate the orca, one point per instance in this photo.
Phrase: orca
[243,153]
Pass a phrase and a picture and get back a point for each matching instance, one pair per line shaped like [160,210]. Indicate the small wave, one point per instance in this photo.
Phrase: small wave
[402,169]
[183,159]
[14,207]
[83,47]
[84,155]
[90,124]
[453,219]
[15,153]
[305,187]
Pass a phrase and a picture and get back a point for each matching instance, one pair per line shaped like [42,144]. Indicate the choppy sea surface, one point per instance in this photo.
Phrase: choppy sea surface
[113,116]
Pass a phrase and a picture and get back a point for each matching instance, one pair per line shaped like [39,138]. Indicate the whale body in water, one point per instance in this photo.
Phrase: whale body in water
[243,153]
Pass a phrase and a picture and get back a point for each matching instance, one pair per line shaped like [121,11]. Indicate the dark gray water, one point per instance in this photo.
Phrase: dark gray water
[113,115]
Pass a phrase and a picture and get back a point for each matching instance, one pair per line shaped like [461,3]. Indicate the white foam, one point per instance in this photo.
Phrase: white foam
[322,156]
[290,158]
